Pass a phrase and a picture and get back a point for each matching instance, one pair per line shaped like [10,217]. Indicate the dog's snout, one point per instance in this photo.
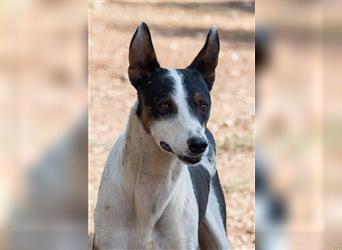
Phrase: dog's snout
[197,145]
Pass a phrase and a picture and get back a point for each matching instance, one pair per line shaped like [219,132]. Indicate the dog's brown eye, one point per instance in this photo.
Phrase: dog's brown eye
[203,107]
[165,106]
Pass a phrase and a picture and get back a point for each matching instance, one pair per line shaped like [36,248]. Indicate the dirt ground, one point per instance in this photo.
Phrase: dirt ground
[178,31]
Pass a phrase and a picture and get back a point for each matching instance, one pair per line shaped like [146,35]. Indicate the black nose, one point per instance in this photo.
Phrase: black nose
[197,145]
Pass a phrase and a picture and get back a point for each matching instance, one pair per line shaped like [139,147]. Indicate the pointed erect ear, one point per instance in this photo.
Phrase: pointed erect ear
[206,60]
[142,58]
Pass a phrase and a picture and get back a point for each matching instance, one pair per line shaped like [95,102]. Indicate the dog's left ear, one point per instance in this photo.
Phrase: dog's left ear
[206,60]
[142,58]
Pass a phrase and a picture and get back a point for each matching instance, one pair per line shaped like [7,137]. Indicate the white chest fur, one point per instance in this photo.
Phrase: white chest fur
[157,213]
[177,227]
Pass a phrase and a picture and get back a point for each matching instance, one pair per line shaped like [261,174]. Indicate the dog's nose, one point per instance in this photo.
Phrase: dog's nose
[197,145]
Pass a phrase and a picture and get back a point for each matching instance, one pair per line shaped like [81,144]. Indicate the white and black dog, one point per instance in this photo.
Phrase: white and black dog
[160,188]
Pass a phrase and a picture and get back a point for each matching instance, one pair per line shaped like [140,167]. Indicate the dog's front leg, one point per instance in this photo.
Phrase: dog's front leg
[152,194]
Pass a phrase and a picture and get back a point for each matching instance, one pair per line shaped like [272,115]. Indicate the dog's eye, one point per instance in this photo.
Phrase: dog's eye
[203,107]
[165,106]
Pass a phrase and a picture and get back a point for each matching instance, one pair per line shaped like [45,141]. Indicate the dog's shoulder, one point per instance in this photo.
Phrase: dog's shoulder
[113,161]
[117,150]
[200,179]
[204,177]
[215,181]
[217,188]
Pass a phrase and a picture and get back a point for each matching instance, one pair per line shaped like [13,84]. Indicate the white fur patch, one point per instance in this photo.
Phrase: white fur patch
[184,114]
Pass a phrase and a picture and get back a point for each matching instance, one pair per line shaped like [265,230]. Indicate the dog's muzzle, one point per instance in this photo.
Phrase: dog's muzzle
[191,160]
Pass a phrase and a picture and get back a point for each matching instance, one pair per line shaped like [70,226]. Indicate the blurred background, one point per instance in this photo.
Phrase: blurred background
[298,125]
[43,124]
[44,100]
[179,29]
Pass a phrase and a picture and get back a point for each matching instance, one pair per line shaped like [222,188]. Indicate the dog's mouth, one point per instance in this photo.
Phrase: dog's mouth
[190,159]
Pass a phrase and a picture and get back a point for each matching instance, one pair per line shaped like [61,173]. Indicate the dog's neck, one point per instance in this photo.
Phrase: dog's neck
[143,154]
[151,177]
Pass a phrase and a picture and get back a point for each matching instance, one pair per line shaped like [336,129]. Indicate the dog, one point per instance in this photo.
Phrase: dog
[160,188]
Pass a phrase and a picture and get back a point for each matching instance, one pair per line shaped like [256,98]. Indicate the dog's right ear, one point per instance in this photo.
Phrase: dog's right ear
[206,60]
[142,58]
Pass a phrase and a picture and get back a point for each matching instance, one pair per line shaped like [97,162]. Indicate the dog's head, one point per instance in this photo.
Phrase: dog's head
[174,104]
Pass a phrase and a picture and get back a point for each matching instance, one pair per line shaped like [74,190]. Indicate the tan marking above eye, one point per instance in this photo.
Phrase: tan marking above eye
[198,98]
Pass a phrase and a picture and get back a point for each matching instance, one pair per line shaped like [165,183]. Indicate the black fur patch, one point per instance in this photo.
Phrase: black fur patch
[211,139]
[195,85]
[220,198]
[158,88]
[201,182]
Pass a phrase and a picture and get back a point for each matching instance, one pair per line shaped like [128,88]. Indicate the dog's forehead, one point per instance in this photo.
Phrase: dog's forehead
[159,86]
[165,83]
[194,83]
[191,80]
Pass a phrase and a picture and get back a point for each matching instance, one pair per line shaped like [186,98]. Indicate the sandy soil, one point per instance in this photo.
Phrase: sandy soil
[179,32]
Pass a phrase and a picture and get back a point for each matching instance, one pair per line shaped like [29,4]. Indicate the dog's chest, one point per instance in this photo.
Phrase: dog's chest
[178,224]
[157,213]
